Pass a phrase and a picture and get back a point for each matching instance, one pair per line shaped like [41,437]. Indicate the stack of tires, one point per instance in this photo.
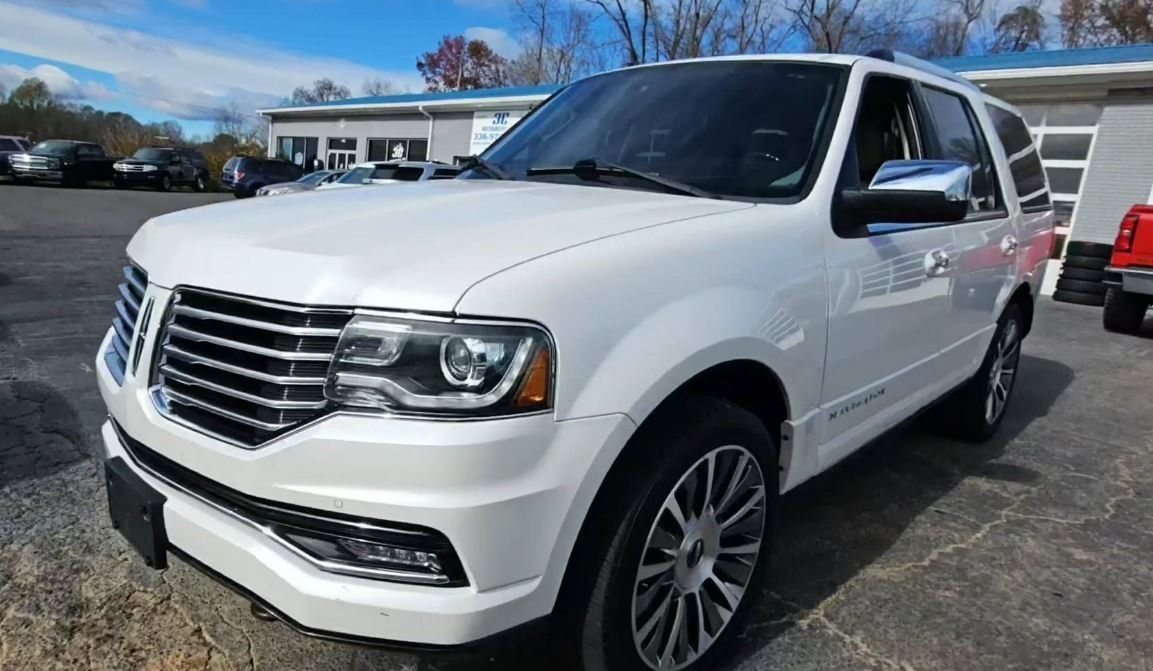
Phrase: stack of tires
[1082,272]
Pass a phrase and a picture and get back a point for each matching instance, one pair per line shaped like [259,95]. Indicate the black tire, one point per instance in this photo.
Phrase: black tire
[1098,250]
[1081,286]
[1086,262]
[1124,312]
[964,414]
[1095,300]
[165,183]
[1084,274]
[599,592]
[199,184]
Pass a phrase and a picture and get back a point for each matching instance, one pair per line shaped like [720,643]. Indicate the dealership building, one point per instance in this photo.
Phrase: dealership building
[1090,110]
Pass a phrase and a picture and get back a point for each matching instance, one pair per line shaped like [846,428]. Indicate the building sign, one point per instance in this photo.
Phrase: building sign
[488,126]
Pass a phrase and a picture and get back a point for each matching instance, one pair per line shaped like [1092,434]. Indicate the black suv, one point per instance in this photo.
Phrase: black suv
[162,168]
[243,175]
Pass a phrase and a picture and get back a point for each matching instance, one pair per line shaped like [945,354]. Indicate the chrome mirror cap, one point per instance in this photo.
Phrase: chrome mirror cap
[953,179]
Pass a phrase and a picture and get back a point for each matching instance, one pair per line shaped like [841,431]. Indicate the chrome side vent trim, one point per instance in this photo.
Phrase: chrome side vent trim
[127,306]
[243,370]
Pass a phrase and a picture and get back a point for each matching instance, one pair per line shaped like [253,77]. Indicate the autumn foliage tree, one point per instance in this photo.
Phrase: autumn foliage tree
[458,64]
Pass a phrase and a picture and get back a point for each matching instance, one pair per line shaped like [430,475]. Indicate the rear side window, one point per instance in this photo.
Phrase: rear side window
[1024,162]
[408,174]
[233,163]
[960,139]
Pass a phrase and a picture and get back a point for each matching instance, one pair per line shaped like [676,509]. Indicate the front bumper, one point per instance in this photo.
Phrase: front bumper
[1130,280]
[509,495]
[137,178]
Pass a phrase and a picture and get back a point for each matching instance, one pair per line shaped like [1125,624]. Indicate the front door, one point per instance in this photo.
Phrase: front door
[888,288]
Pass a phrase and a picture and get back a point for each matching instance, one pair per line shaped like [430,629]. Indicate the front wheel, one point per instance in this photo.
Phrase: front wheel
[693,523]
[165,183]
[976,410]
[199,184]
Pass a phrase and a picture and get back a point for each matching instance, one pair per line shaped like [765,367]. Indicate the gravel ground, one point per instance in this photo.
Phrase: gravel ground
[1034,551]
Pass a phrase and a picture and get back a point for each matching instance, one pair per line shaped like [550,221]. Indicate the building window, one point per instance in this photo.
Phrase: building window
[397,149]
[1065,133]
[298,150]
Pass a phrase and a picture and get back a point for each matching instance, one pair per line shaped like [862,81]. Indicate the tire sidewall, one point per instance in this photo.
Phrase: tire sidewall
[730,426]
[1012,313]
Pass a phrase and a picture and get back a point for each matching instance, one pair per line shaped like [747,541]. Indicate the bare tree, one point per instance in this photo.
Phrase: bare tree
[1127,21]
[559,42]
[378,87]
[248,130]
[322,90]
[1022,29]
[1080,23]
[754,27]
[634,32]
[850,26]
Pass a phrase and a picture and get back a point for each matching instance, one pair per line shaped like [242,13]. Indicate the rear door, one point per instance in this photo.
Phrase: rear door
[985,244]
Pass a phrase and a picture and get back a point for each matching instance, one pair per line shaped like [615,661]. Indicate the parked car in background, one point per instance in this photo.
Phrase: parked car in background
[1129,275]
[574,382]
[307,183]
[162,168]
[10,144]
[245,175]
[390,172]
[70,162]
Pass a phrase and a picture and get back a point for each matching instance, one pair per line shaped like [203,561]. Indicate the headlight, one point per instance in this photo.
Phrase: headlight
[441,367]
[149,168]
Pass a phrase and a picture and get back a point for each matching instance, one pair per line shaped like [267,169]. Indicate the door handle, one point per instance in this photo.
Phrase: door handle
[1009,245]
[936,263]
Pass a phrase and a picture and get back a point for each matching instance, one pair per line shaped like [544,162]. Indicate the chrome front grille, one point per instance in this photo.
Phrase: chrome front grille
[131,296]
[241,369]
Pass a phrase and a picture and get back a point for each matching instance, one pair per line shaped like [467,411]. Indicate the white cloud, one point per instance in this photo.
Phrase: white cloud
[59,82]
[186,79]
[498,40]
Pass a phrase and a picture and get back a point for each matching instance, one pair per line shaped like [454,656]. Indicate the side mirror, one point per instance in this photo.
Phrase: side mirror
[911,192]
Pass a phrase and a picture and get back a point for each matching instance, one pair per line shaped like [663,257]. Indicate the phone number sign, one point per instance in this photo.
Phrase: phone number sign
[488,126]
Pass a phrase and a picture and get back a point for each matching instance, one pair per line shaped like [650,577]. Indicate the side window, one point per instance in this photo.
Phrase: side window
[960,139]
[83,151]
[1024,162]
[886,127]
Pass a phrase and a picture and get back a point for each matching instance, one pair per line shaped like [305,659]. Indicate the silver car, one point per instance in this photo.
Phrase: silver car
[306,183]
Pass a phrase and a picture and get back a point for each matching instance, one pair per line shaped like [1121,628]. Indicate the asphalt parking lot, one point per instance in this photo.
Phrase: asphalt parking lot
[1034,551]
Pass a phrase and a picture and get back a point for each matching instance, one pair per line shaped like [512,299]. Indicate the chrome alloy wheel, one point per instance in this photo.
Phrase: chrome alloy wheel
[1003,371]
[699,558]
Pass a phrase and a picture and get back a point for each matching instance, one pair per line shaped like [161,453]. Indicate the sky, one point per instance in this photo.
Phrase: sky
[187,59]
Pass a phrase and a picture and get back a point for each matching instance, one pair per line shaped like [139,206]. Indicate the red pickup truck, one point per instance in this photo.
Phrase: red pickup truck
[1129,276]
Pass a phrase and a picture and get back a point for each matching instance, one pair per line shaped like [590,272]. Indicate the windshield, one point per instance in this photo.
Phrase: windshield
[56,147]
[152,154]
[752,130]
[313,178]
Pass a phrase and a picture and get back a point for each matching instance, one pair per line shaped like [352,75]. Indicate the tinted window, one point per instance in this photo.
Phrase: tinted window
[959,141]
[91,150]
[55,147]
[9,145]
[753,128]
[1024,163]
[153,154]
[232,163]
[408,174]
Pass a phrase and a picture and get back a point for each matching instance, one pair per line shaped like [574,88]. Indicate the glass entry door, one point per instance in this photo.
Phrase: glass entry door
[341,160]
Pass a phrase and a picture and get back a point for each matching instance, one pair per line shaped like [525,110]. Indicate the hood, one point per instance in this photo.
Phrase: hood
[416,248]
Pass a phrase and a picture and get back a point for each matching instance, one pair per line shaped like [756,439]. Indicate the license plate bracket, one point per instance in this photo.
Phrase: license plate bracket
[137,512]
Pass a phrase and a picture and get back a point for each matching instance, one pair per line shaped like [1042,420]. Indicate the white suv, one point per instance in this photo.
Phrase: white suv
[576,380]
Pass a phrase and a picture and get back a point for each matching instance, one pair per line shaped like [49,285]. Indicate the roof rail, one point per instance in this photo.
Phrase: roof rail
[920,64]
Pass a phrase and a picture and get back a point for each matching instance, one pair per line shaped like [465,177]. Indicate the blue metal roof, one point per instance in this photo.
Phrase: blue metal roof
[478,94]
[1050,59]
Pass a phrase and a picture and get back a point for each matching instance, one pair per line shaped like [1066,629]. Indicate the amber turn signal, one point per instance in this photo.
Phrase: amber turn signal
[534,390]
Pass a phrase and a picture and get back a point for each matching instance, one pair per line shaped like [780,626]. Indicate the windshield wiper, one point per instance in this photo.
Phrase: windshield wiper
[473,162]
[592,168]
